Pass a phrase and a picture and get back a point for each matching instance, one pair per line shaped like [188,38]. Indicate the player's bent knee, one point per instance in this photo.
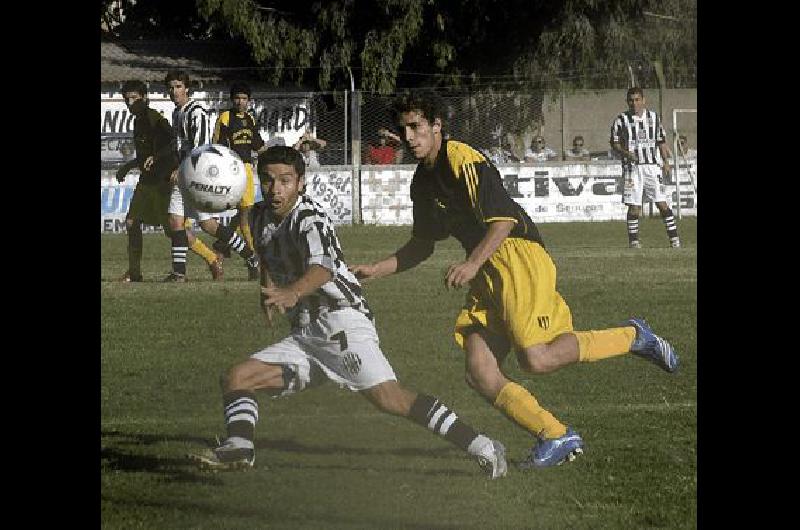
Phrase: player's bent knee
[486,383]
[209,227]
[535,360]
[175,223]
[391,398]
[253,375]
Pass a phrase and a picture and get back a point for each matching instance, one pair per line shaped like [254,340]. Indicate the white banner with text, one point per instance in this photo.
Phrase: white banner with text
[589,191]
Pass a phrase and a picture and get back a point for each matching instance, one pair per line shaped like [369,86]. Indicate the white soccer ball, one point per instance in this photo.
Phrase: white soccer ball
[213,178]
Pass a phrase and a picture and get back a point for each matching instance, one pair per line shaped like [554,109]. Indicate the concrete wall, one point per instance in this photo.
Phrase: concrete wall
[589,113]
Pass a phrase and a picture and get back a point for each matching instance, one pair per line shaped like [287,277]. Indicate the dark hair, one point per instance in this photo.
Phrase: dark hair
[634,90]
[281,154]
[578,137]
[240,88]
[135,86]
[178,75]
[427,102]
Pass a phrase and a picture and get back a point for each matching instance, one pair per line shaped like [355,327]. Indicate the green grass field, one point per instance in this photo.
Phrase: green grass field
[327,459]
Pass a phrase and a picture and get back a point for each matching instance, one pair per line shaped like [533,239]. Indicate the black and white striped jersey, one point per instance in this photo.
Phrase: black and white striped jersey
[640,135]
[303,238]
[192,126]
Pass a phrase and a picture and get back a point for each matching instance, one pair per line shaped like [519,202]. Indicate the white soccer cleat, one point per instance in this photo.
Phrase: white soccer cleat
[226,457]
[494,460]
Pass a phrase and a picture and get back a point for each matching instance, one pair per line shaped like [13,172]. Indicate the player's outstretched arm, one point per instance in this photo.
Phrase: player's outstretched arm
[266,283]
[407,257]
[282,298]
[460,274]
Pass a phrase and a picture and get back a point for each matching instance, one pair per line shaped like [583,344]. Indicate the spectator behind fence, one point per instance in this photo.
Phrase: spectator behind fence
[385,152]
[578,151]
[308,146]
[683,148]
[501,155]
[538,151]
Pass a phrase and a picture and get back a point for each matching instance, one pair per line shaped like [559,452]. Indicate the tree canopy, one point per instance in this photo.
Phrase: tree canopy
[391,44]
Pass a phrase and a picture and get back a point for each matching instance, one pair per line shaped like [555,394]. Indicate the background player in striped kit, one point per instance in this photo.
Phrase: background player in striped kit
[236,128]
[333,337]
[512,301]
[637,136]
[191,122]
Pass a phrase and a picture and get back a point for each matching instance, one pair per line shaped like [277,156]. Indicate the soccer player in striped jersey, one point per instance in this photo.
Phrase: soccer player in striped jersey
[333,336]
[637,136]
[512,301]
[191,122]
[236,128]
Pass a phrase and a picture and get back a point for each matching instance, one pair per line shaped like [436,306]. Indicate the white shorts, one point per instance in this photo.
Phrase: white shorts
[643,181]
[179,206]
[341,346]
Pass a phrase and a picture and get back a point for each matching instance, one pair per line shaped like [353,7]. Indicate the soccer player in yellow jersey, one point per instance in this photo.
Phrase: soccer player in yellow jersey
[512,300]
[237,129]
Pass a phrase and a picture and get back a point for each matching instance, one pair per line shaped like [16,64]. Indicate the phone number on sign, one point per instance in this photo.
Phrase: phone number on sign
[333,191]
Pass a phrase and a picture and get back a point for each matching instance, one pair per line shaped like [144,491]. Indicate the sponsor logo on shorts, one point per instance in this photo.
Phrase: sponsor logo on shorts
[544,321]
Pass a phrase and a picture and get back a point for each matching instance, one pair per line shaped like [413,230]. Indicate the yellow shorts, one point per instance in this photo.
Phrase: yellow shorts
[514,296]
[249,197]
[150,203]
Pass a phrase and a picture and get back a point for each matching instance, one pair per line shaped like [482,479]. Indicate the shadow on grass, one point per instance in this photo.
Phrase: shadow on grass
[261,515]
[115,456]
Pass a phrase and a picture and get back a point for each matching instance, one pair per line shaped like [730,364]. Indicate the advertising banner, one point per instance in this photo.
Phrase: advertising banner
[332,188]
[589,191]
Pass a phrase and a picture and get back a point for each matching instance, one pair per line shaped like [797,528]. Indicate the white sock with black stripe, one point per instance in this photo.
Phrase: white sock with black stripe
[241,415]
[234,241]
[437,417]
[672,227]
[633,229]
[180,247]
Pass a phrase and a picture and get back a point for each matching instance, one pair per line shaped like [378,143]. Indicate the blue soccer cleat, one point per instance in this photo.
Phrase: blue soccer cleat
[652,347]
[554,451]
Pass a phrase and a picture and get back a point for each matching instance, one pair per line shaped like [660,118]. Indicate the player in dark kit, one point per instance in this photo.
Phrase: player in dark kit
[236,128]
[156,158]
[512,302]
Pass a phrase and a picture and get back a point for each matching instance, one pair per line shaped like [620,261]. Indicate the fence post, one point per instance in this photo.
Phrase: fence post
[355,127]
[563,129]
[345,127]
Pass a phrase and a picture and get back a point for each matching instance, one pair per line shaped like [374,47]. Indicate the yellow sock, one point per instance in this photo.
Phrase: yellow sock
[200,248]
[596,345]
[520,405]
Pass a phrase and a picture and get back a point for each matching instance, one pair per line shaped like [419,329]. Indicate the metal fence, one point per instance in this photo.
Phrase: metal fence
[349,121]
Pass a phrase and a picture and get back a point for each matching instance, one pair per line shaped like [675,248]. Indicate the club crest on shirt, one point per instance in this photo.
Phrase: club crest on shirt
[351,362]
